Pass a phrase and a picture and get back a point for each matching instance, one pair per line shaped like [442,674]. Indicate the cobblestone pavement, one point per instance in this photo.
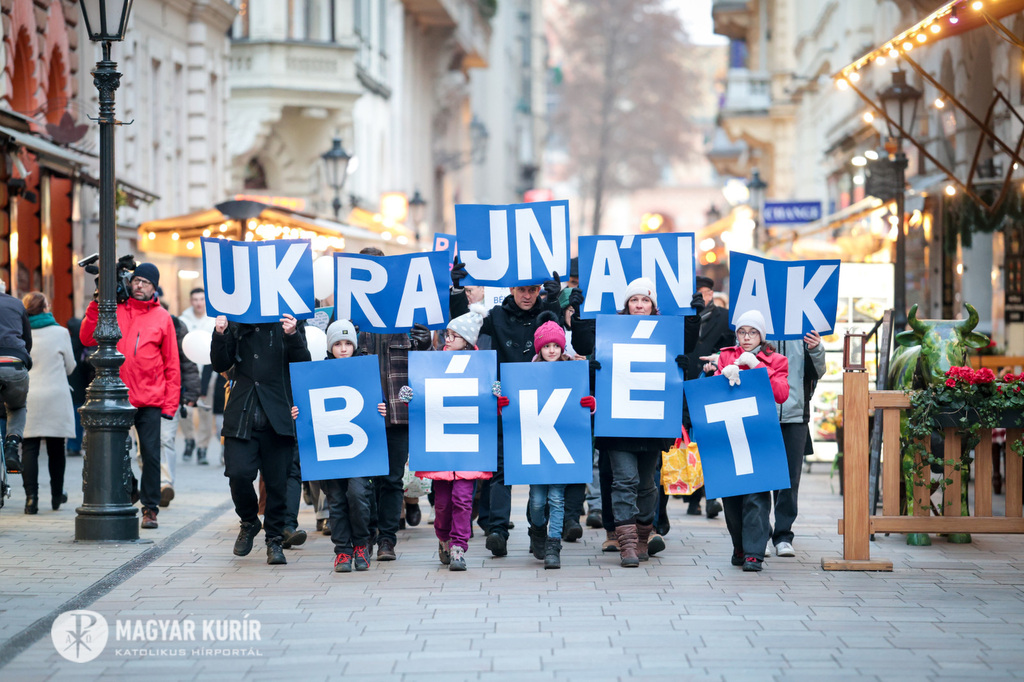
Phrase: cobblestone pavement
[946,611]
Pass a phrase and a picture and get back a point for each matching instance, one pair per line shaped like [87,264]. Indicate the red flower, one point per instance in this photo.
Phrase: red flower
[951,382]
[984,376]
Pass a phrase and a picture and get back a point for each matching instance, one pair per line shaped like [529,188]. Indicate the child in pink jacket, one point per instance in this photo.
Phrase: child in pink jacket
[746,516]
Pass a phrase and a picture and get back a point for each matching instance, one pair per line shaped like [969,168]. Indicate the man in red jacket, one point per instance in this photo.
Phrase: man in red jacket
[150,371]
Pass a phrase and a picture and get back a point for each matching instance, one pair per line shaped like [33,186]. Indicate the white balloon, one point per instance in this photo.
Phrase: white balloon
[316,341]
[323,276]
[196,346]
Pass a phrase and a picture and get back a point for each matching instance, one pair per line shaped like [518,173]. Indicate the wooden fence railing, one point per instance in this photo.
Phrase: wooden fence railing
[858,523]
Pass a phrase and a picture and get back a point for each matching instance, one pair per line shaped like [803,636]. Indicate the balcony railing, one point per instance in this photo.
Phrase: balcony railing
[747,91]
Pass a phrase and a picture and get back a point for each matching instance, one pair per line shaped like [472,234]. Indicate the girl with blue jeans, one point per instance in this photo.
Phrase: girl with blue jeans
[546,543]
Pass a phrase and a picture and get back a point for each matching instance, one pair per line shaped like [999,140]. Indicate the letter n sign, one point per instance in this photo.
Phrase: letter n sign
[737,427]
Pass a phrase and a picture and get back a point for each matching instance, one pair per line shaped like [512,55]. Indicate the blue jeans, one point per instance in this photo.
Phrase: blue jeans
[553,497]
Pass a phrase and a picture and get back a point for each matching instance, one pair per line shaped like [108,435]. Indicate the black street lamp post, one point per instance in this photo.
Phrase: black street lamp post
[757,187]
[107,512]
[900,102]
[417,211]
[336,166]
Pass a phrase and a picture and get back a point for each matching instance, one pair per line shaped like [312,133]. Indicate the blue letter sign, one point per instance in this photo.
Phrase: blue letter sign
[392,293]
[340,432]
[513,245]
[546,430]
[737,427]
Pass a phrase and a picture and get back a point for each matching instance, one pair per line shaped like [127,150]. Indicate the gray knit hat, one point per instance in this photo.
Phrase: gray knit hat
[468,326]
[341,330]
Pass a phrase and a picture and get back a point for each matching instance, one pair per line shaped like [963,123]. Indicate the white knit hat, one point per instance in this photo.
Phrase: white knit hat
[468,326]
[640,287]
[752,318]
[341,330]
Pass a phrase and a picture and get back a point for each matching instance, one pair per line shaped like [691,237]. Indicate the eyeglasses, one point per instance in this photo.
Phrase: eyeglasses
[450,336]
[749,334]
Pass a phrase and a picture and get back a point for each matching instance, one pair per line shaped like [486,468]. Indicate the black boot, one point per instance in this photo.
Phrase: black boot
[201,456]
[246,534]
[12,453]
[537,536]
[275,553]
[57,500]
[573,531]
[190,445]
[553,553]
[31,504]
[293,538]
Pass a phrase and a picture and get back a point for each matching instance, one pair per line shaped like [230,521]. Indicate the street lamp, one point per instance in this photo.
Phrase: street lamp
[757,186]
[417,211]
[336,166]
[900,102]
[106,512]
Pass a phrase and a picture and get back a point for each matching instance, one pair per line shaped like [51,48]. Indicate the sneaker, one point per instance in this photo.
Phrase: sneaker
[149,519]
[752,563]
[190,445]
[166,495]
[362,561]
[497,544]
[11,454]
[246,534]
[714,509]
[293,538]
[594,519]
[768,549]
[201,457]
[737,558]
[458,562]
[343,563]
[784,549]
[386,551]
[443,553]
[275,554]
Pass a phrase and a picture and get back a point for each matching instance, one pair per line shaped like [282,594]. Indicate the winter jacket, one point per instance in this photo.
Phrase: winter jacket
[776,364]
[151,369]
[50,413]
[806,366]
[15,332]
[711,334]
[189,370]
[508,330]
[455,475]
[259,355]
[392,351]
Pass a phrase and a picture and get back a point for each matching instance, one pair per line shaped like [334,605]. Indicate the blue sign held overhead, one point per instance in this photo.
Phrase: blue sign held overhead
[258,281]
[389,294]
[515,244]
[638,387]
[546,430]
[339,431]
[791,212]
[795,297]
[609,263]
[741,447]
[453,415]
[446,243]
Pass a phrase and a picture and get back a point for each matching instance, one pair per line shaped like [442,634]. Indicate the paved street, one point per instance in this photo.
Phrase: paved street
[947,611]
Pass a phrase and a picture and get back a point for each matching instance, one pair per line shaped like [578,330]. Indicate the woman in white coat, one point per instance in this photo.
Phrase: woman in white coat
[50,414]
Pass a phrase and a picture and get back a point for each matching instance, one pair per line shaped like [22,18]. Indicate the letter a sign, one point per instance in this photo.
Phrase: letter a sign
[340,432]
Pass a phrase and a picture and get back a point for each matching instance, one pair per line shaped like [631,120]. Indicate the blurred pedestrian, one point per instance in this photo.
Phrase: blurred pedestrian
[15,362]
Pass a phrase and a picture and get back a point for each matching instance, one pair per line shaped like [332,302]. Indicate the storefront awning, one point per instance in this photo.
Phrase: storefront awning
[53,156]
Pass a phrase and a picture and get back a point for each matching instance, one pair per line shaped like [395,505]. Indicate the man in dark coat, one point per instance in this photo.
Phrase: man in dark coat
[259,433]
[15,362]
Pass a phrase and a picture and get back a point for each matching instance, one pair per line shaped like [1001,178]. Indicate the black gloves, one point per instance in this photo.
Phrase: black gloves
[697,302]
[595,365]
[683,362]
[552,287]
[420,337]
[458,271]
[168,417]
[576,299]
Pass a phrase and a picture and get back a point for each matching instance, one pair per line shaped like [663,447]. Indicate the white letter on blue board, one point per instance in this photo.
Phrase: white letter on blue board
[419,292]
[275,278]
[497,265]
[528,232]
[625,381]
[732,413]
[754,280]
[237,302]
[800,299]
[538,425]
[358,289]
[653,260]
[327,423]
[438,415]
[606,276]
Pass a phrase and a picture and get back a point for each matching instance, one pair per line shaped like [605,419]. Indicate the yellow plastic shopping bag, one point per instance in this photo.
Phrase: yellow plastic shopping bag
[681,471]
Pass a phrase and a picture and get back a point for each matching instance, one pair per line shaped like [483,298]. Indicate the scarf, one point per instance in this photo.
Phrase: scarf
[41,320]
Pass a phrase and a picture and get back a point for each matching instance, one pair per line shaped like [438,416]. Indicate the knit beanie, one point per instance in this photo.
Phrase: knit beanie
[640,287]
[340,330]
[549,332]
[468,326]
[148,272]
[752,318]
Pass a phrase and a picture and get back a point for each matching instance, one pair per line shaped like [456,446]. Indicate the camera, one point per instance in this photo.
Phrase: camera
[123,274]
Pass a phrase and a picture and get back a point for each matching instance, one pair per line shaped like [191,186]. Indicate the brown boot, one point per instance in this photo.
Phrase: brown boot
[643,532]
[627,545]
[611,543]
